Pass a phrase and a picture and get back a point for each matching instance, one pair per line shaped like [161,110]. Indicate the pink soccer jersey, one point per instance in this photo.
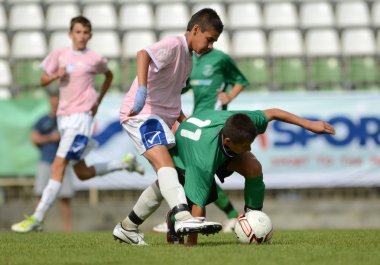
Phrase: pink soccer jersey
[76,89]
[168,71]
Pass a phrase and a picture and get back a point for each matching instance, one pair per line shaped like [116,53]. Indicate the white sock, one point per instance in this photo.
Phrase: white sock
[172,190]
[147,204]
[107,167]
[48,196]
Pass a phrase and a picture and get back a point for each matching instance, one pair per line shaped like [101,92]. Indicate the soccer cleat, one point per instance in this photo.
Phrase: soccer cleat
[196,225]
[171,236]
[229,225]
[29,224]
[161,228]
[132,165]
[132,237]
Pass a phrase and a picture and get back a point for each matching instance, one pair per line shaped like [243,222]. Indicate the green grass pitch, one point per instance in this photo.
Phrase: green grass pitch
[288,247]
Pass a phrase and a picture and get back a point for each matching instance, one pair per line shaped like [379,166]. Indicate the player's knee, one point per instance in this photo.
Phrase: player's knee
[83,172]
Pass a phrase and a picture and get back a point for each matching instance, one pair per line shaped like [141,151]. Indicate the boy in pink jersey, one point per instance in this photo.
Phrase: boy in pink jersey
[148,113]
[75,67]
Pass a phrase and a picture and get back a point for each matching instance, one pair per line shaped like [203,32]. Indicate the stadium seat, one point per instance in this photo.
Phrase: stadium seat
[106,43]
[166,33]
[5,93]
[218,7]
[172,16]
[323,51]
[351,14]
[250,49]
[132,42]
[376,14]
[136,16]
[3,18]
[244,15]
[286,50]
[280,15]
[58,16]
[223,43]
[28,16]
[61,1]
[115,67]
[59,39]
[101,15]
[28,45]
[316,14]
[6,75]
[359,50]
[4,45]
[27,74]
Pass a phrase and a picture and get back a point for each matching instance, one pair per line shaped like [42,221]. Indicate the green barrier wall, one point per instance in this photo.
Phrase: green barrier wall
[18,156]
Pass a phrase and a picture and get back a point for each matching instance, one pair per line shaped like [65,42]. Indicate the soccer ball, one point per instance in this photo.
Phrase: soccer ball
[254,227]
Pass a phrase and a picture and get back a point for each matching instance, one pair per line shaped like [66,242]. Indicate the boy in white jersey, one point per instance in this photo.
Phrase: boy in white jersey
[149,111]
[75,67]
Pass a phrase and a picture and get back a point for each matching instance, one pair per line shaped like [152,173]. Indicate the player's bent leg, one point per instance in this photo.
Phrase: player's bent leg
[132,236]
[194,224]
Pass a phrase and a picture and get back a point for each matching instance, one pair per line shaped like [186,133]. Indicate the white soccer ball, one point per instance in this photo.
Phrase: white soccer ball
[254,227]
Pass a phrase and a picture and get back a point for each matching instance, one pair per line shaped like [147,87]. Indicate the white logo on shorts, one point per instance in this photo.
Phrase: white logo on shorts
[151,138]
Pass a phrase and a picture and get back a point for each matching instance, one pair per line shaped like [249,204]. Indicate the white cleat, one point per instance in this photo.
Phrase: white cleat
[229,225]
[132,165]
[29,224]
[161,228]
[132,237]
[196,225]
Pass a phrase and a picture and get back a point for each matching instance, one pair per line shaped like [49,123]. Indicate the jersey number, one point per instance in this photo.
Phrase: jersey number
[197,134]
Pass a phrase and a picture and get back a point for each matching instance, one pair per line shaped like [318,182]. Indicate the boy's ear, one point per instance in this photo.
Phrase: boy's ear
[196,29]
[226,141]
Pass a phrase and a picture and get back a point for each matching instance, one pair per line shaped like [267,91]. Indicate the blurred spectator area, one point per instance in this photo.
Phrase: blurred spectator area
[304,45]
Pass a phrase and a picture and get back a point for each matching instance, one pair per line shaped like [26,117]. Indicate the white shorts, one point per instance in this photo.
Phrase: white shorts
[76,131]
[147,131]
[42,178]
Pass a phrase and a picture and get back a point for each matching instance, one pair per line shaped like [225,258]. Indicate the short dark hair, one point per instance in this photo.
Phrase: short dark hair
[207,19]
[81,20]
[240,128]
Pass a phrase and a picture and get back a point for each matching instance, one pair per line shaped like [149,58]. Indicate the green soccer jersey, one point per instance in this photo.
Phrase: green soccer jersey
[199,151]
[211,71]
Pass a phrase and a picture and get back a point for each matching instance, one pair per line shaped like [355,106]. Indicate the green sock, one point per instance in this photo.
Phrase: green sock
[224,204]
[254,191]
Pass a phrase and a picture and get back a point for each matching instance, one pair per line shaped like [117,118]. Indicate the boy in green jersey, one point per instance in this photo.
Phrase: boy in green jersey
[219,142]
[215,80]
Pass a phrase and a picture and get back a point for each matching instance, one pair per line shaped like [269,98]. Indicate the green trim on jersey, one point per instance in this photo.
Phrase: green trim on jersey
[198,151]
[211,71]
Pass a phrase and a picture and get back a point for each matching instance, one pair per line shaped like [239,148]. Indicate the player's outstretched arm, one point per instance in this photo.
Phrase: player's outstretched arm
[319,127]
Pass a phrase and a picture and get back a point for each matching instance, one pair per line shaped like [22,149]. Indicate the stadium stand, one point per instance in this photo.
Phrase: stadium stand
[256,35]
[57,15]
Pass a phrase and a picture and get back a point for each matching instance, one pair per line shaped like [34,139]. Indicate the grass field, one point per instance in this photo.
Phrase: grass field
[288,247]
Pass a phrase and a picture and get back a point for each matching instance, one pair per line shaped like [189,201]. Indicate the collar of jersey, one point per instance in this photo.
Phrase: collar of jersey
[226,151]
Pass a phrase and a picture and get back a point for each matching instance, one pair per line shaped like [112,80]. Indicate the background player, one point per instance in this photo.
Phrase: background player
[75,67]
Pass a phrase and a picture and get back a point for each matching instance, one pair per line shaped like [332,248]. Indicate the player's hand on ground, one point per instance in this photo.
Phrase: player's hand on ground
[321,127]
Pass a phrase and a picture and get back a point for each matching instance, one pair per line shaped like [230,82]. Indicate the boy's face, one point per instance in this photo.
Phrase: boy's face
[80,35]
[238,148]
[202,42]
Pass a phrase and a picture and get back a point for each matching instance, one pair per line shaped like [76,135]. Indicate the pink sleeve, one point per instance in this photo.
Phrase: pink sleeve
[102,66]
[163,52]
[51,62]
